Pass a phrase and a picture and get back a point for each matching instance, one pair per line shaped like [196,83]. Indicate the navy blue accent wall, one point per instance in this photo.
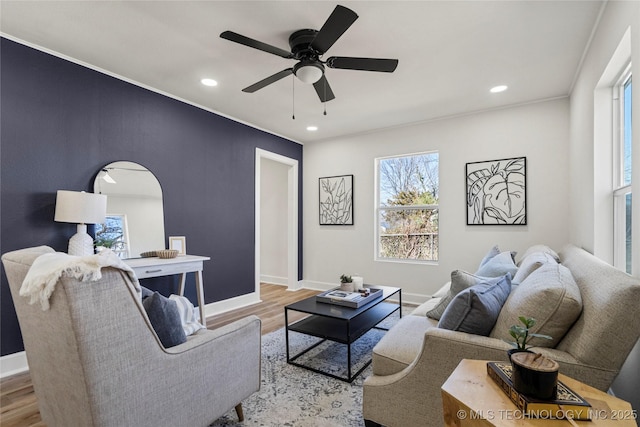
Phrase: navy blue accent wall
[62,122]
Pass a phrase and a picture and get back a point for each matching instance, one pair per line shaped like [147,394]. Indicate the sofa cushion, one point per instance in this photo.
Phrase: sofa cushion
[492,252]
[551,296]
[531,263]
[426,306]
[476,309]
[442,291]
[460,280]
[539,248]
[498,266]
[165,319]
[401,345]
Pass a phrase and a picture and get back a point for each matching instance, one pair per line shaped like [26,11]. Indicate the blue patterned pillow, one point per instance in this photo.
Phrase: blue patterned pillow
[476,309]
[165,319]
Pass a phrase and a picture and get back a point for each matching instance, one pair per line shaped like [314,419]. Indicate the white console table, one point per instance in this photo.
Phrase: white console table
[157,267]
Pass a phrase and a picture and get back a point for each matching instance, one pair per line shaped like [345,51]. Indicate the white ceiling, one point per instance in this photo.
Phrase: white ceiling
[450,53]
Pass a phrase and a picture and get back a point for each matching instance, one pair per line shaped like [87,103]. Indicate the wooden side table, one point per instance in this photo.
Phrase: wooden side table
[470,398]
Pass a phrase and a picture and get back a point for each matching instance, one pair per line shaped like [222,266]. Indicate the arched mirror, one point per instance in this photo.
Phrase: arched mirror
[135,215]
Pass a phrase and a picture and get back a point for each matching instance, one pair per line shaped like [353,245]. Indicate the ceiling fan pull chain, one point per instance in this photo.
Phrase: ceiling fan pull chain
[293,97]
[325,96]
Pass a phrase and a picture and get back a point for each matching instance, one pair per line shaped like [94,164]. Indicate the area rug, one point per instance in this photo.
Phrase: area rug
[294,396]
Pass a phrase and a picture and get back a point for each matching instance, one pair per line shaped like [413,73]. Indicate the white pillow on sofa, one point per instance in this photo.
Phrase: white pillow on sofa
[551,296]
[498,266]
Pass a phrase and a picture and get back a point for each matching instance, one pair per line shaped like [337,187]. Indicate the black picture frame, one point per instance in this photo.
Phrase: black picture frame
[335,197]
[497,192]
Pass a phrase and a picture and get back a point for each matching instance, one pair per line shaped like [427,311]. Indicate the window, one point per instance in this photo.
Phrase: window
[622,173]
[407,208]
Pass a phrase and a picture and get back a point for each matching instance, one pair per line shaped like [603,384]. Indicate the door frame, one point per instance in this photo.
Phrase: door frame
[292,214]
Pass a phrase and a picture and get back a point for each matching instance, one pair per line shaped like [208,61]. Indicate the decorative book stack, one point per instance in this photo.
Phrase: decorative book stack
[349,299]
[567,404]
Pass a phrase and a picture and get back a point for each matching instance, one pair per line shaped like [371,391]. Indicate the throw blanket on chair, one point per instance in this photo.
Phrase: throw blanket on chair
[45,271]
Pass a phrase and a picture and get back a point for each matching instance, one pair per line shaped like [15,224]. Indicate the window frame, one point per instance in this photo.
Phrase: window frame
[621,189]
[378,209]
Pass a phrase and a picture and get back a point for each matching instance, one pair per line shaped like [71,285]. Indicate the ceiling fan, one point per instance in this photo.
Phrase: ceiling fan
[307,47]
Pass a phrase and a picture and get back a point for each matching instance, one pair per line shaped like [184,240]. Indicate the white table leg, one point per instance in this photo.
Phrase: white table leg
[200,292]
[183,279]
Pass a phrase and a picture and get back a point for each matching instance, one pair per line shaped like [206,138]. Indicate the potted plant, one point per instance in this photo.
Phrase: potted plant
[522,334]
[346,283]
[533,374]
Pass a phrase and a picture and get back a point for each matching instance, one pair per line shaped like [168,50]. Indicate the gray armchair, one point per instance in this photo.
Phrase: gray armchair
[95,359]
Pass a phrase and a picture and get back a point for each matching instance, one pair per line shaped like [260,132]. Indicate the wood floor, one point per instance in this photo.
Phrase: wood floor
[18,405]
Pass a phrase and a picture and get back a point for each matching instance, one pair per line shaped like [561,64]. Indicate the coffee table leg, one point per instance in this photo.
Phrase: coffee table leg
[349,352]
[286,328]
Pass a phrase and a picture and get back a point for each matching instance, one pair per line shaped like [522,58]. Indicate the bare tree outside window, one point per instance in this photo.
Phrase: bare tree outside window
[408,207]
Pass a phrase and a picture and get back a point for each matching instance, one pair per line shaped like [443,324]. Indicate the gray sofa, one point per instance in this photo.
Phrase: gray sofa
[95,359]
[597,303]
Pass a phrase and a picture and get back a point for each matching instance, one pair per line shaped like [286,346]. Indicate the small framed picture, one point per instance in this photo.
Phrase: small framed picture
[178,243]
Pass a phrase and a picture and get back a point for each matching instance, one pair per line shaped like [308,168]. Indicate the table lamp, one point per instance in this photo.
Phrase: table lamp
[80,208]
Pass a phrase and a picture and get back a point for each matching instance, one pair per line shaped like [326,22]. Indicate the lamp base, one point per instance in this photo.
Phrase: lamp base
[81,244]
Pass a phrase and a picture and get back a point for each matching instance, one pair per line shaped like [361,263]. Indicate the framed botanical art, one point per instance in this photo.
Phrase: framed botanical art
[336,200]
[497,192]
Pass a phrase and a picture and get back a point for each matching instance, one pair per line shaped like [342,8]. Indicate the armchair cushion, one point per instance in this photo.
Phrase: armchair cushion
[165,318]
[551,296]
[476,309]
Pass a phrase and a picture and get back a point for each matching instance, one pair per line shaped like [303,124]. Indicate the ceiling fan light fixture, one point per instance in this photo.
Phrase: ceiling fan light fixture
[308,72]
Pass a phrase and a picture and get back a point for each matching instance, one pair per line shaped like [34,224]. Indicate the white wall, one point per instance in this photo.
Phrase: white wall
[590,155]
[539,131]
[273,222]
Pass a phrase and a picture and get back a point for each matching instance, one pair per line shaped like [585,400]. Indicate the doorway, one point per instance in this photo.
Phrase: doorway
[282,172]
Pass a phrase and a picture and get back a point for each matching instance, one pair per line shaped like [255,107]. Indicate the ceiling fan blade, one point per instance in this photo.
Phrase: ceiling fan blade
[363,64]
[338,22]
[265,82]
[323,89]
[238,38]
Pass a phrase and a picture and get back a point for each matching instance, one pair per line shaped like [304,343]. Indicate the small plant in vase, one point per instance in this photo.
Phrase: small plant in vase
[522,334]
[346,283]
[533,374]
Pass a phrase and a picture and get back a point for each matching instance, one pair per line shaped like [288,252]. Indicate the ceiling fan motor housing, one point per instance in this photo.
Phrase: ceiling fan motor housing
[300,43]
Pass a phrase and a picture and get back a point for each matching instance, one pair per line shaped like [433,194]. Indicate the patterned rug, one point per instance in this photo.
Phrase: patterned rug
[293,396]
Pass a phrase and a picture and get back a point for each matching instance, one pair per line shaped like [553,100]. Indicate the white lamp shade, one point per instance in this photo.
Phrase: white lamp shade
[309,73]
[80,207]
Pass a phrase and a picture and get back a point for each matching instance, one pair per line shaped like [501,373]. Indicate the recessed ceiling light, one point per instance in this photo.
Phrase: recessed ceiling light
[312,128]
[209,82]
[498,89]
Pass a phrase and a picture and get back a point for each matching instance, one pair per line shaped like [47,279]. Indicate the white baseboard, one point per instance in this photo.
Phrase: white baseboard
[274,280]
[12,364]
[223,306]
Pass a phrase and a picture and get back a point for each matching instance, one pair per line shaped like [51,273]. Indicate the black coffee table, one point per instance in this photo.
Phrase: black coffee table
[340,324]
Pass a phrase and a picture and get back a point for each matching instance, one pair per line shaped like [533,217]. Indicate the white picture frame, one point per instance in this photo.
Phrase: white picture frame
[178,243]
